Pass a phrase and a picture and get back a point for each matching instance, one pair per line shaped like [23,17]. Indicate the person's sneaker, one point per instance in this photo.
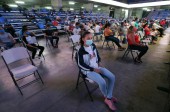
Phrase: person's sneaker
[110,104]
[137,60]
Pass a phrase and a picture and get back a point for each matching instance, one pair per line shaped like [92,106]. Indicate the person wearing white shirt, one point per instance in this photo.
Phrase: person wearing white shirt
[159,28]
[76,30]
[76,20]
[97,28]
[88,59]
[133,23]
[97,31]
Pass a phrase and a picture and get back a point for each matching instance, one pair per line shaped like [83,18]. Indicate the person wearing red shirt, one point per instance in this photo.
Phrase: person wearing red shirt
[134,44]
[55,22]
[147,30]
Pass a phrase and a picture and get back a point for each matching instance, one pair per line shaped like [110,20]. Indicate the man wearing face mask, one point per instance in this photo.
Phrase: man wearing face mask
[6,39]
[76,30]
[33,47]
[88,60]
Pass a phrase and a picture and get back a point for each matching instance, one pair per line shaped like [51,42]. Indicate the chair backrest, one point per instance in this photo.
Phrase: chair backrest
[141,34]
[75,38]
[58,27]
[14,54]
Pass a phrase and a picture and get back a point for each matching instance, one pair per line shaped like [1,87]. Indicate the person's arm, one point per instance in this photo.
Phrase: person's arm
[11,38]
[81,63]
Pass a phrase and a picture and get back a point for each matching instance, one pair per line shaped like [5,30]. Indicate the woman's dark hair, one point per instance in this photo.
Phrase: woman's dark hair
[131,29]
[83,36]
[107,25]
[145,25]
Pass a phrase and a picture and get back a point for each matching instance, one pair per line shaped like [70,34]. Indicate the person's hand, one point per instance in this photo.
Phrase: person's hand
[97,70]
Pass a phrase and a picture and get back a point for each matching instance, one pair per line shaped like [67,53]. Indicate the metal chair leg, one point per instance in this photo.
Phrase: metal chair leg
[132,55]
[103,43]
[91,98]
[124,54]
[72,53]
[78,78]
[17,85]
[39,77]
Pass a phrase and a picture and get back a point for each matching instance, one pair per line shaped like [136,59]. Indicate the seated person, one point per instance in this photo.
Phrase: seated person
[10,29]
[71,27]
[55,22]
[49,34]
[97,29]
[109,36]
[154,36]
[6,39]
[159,28]
[147,30]
[135,45]
[33,47]
[89,60]
[76,30]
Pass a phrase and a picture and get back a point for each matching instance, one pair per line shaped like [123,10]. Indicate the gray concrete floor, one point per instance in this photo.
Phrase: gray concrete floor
[135,85]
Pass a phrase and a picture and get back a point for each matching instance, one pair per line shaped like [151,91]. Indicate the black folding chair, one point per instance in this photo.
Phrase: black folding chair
[85,79]
[131,51]
[107,43]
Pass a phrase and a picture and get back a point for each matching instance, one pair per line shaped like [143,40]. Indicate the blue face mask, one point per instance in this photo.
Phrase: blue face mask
[89,42]
[2,31]
[77,27]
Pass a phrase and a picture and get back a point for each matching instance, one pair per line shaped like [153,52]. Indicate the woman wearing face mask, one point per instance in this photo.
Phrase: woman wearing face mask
[89,60]
[77,30]
[33,47]
[6,39]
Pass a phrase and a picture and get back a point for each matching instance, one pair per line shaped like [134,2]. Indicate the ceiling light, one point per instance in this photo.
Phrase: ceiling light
[99,9]
[120,4]
[123,9]
[48,7]
[71,9]
[13,5]
[82,7]
[95,5]
[20,2]
[71,3]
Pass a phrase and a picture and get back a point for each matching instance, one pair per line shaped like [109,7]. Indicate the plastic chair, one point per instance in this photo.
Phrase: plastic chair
[18,73]
[75,39]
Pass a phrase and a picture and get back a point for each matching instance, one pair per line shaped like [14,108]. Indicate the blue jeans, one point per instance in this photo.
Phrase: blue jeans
[113,39]
[106,88]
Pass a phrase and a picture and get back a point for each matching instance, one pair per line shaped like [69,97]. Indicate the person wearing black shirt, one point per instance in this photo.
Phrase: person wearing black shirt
[33,47]
[52,35]
[10,29]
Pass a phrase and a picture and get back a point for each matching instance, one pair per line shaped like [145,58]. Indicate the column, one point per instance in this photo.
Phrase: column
[56,3]
[89,6]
